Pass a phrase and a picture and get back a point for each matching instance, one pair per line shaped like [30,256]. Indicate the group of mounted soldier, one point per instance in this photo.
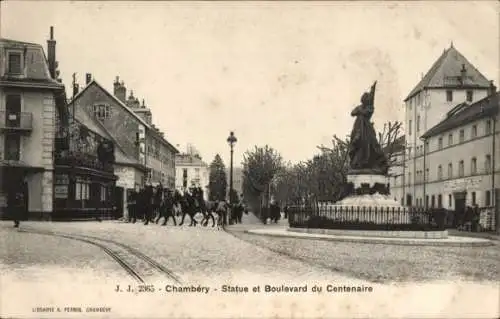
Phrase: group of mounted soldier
[150,204]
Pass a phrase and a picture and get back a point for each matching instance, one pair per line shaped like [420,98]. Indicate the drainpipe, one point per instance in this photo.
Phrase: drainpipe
[414,200]
[425,174]
[404,171]
[493,191]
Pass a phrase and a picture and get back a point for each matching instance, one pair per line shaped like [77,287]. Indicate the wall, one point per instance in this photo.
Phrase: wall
[121,124]
[37,147]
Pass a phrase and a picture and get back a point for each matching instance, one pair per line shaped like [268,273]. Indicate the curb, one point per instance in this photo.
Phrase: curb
[381,241]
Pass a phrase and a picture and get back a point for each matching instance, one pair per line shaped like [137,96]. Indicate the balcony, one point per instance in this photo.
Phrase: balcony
[80,159]
[16,122]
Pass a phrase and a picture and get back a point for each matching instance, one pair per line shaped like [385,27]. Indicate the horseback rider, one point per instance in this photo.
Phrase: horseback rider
[166,209]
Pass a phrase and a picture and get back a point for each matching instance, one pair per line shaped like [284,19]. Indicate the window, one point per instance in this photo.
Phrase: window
[440,142]
[487,129]
[450,170]
[440,172]
[449,96]
[473,198]
[15,61]
[12,147]
[82,190]
[462,136]
[461,169]
[409,178]
[103,193]
[473,166]
[470,95]
[418,123]
[102,111]
[409,127]
[474,131]
[487,163]
[184,177]
[427,201]
[450,139]
[433,201]
[449,200]
[418,99]
[487,198]
[440,201]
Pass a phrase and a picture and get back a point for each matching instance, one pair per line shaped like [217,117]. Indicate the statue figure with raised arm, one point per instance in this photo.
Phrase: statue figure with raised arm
[365,153]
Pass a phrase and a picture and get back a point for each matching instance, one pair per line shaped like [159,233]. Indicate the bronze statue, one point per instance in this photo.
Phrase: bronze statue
[365,154]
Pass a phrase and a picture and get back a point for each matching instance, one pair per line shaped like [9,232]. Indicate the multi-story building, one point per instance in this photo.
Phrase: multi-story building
[29,97]
[148,158]
[191,171]
[460,152]
[160,154]
[451,80]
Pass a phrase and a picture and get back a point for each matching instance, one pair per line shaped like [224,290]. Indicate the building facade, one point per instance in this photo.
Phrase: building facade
[29,93]
[84,179]
[451,80]
[191,171]
[159,153]
[142,143]
[460,157]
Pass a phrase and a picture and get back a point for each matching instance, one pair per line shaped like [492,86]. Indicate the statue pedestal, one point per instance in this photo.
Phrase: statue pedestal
[371,190]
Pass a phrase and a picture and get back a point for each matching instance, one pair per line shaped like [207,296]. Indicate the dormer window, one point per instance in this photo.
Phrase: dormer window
[449,96]
[470,95]
[14,63]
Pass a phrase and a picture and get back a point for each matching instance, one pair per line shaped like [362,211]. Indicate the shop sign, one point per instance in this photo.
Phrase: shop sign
[61,191]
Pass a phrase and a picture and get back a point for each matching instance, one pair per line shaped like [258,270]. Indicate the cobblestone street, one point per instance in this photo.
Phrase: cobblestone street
[37,259]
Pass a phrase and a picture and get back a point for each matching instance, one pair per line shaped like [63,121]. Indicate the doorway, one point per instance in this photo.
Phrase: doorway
[460,198]
[118,202]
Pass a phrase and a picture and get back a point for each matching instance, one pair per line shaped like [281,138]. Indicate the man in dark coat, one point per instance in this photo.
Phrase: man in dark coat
[131,206]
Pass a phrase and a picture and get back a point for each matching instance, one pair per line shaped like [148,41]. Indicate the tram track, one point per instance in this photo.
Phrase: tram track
[136,264]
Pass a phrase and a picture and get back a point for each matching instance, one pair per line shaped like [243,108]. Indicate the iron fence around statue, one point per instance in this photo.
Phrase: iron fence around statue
[366,218]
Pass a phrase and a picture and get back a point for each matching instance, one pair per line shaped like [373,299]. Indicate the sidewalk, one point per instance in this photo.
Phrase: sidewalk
[486,235]
[250,222]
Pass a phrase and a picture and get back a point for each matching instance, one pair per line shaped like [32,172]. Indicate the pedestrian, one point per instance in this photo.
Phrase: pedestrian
[285,210]
[131,206]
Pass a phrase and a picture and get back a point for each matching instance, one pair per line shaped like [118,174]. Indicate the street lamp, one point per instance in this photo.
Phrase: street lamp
[231,140]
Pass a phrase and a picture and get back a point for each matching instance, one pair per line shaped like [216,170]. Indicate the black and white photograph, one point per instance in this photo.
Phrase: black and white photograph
[249,159]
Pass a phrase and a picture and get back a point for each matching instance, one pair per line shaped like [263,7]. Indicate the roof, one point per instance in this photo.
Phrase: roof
[10,41]
[188,160]
[464,113]
[128,109]
[92,124]
[446,72]
[37,70]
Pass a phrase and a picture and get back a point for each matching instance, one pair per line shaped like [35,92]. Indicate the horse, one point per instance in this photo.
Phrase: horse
[166,209]
[188,208]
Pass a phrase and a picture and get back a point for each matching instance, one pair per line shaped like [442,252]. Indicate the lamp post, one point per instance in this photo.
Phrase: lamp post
[231,140]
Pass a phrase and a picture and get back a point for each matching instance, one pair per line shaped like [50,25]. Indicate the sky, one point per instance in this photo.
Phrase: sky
[286,74]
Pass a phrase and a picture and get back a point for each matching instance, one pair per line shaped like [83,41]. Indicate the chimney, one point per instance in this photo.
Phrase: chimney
[88,78]
[493,88]
[51,52]
[76,89]
[119,90]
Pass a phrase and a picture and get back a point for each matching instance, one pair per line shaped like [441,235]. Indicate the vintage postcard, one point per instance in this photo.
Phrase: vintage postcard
[249,159]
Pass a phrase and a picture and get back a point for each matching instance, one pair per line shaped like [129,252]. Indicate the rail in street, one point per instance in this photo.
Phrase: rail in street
[137,265]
